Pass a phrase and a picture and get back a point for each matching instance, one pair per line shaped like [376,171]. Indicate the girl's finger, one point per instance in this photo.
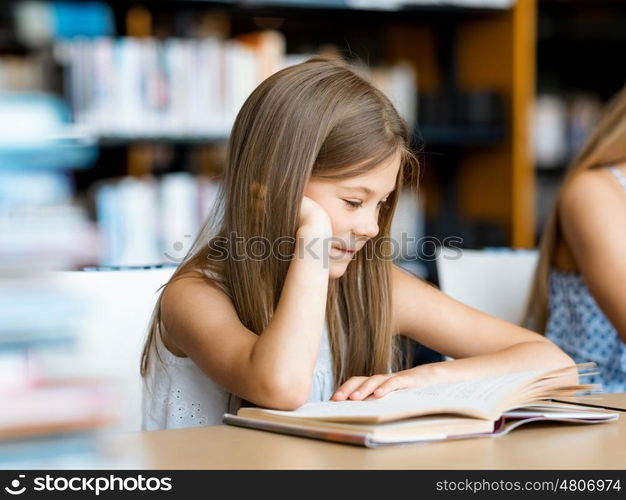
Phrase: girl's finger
[394,383]
[347,388]
[367,387]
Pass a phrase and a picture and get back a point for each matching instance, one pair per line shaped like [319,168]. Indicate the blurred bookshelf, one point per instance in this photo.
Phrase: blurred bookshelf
[51,412]
[115,116]
[576,40]
[157,85]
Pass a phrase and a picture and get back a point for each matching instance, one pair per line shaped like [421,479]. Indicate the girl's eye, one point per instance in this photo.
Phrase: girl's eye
[357,204]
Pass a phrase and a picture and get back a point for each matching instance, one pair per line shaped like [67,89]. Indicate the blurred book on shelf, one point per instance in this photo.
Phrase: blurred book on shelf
[549,131]
[399,83]
[470,4]
[584,112]
[386,4]
[21,73]
[37,23]
[40,225]
[562,124]
[35,238]
[452,116]
[59,407]
[150,220]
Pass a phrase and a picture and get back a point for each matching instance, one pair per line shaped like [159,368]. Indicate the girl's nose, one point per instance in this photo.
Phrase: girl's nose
[367,226]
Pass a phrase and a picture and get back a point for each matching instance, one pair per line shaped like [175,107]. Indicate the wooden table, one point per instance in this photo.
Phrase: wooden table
[534,446]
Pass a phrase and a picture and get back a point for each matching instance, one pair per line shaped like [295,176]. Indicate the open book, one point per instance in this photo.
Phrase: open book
[479,407]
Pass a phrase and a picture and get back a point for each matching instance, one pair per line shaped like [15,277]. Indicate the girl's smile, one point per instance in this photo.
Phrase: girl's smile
[341,253]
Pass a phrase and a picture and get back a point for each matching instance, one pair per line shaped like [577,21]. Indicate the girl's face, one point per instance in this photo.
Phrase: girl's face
[353,205]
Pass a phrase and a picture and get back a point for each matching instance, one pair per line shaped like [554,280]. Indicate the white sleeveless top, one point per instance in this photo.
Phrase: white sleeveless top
[177,394]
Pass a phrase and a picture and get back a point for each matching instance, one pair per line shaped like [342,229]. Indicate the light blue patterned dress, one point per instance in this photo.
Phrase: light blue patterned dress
[579,327]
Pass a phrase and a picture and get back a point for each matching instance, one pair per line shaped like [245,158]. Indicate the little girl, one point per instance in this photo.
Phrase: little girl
[289,293]
[578,294]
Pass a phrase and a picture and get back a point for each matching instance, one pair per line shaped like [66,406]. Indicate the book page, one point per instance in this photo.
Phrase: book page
[481,398]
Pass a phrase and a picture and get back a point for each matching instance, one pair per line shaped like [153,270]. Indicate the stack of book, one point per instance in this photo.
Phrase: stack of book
[48,416]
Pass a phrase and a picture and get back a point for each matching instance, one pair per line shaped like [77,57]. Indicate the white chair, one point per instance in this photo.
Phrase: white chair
[112,333]
[495,281]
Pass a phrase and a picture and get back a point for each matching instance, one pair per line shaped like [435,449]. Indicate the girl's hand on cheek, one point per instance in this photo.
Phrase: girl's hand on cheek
[313,216]
[377,386]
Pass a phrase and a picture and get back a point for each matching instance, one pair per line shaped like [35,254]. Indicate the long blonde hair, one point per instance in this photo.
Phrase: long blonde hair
[314,119]
[605,146]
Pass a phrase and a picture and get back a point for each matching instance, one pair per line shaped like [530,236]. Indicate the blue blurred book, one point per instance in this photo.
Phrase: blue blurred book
[87,19]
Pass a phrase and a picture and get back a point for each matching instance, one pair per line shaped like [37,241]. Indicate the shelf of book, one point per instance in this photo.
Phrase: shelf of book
[569,101]
[200,140]
[131,87]
[375,6]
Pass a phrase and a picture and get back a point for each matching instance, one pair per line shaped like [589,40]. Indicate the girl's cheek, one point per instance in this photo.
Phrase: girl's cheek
[335,221]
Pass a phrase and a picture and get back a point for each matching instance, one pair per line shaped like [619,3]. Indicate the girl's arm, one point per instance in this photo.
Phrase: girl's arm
[274,369]
[482,345]
[593,219]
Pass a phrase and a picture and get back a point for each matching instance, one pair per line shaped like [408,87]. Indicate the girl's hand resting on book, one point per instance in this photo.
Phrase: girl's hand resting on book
[377,386]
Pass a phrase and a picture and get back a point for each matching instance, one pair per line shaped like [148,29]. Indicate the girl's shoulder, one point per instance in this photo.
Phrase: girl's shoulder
[594,184]
[184,295]
[592,193]
[592,212]
[197,279]
[196,283]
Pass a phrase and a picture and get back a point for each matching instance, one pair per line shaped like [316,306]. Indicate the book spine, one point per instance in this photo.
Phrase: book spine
[281,428]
